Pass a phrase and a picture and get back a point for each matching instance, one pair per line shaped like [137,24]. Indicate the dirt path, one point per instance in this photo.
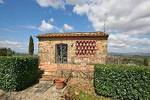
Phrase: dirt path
[44,90]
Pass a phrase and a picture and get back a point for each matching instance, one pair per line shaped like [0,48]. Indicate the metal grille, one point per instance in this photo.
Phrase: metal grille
[61,53]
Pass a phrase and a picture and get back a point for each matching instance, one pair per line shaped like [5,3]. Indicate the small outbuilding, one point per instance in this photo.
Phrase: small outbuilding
[72,48]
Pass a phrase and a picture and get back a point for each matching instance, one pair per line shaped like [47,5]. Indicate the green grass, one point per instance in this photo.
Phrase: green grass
[86,96]
[75,93]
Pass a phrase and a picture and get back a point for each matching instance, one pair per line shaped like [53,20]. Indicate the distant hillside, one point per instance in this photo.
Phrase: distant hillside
[129,54]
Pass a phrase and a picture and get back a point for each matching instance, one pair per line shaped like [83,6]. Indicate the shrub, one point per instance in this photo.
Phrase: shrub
[17,73]
[122,82]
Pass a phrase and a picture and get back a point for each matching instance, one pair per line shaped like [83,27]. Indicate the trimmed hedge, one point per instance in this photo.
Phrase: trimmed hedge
[17,73]
[122,82]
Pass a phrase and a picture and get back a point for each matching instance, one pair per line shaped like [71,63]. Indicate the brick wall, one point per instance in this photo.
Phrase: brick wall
[47,50]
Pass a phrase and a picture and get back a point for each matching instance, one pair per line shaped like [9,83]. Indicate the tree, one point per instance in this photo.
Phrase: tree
[6,52]
[31,46]
[145,62]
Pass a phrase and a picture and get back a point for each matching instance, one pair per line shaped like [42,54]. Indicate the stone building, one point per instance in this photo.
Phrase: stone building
[77,48]
[71,52]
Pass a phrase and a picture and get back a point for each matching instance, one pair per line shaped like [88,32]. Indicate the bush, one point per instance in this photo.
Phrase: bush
[122,82]
[17,73]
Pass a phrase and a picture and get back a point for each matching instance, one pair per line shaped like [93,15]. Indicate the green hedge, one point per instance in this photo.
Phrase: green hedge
[122,82]
[17,73]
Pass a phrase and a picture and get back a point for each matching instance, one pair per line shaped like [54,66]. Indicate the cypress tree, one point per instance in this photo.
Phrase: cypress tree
[31,46]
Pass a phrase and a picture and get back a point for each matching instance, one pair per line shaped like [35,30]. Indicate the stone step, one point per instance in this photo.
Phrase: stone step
[47,78]
[49,73]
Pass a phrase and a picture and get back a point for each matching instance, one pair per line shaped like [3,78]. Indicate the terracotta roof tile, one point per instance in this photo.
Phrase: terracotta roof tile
[72,34]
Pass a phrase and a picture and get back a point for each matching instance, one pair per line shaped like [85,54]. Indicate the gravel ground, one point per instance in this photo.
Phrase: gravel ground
[45,90]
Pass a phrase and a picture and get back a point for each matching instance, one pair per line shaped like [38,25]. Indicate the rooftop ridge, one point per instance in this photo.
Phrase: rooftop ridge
[72,34]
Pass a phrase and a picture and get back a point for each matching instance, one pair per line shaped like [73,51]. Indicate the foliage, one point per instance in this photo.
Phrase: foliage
[145,62]
[6,52]
[17,73]
[122,82]
[31,46]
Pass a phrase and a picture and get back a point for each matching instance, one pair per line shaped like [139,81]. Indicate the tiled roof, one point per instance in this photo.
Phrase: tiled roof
[73,34]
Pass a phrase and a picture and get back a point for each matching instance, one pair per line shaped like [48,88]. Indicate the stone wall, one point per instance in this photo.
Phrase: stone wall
[47,50]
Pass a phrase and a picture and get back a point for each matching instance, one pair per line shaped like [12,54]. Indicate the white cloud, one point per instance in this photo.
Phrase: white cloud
[28,26]
[127,43]
[81,9]
[9,44]
[67,27]
[7,30]
[128,19]
[1,1]
[51,20]
[75,2]
[45,27]
[51,3]
[123,15]
[18,46]
[59,3]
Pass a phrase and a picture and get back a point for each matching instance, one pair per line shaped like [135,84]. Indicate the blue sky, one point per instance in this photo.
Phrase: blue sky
[129,31]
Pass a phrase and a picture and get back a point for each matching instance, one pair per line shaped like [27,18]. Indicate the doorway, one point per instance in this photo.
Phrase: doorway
[61,53]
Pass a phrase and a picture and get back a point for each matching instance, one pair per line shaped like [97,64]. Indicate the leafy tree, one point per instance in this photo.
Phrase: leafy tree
[6,52]
[145,62]
[3,52]
[31,46]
